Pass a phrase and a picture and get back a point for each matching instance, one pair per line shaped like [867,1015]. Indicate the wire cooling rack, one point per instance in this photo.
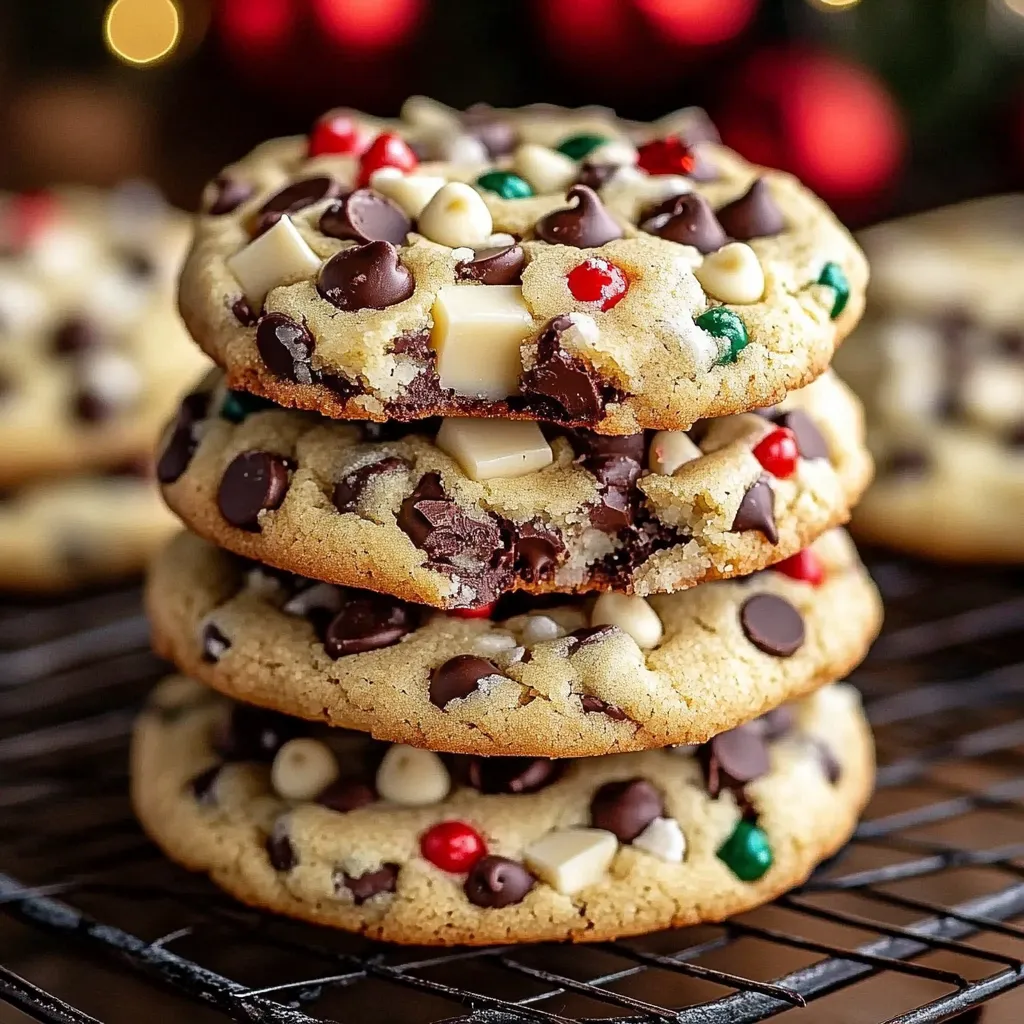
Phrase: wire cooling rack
[912,923]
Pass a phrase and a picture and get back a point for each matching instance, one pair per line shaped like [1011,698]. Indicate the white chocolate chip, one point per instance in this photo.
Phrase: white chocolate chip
[633,615]
[319,596]
[493,643]
[538,628]
[462,254]
[501,238]
[570,859]
[663,838]
[732,274]
[303,769]
[112,377]
[992,393]
[22,305]
[412,777]
[477,335]
[617,152]
[262,583]
[671,449]
[279,256]
[411,192]
[459,148]
[456,216]
[582,334]
[493,449]
[545,169]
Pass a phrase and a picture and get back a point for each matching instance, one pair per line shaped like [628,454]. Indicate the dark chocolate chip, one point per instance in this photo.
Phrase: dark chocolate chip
[502,264]
[511,774]
[368,624]
[906,462]
[228,195]
[772,625]
[498,134]
[137,264]
[367,885]
[253,482]
[587,635]
[365,216]
[349,489]
[367,276]
[1010,342]
[592,705]
[243,312]
[346,795]
[757,511]
[809,440]
[586,225]
[539,549]
[294,197]
[561,377]
[591,446]
[76,334]
[256,734]
[612,512]
[280,851]
[92,407]
[286,347]
[687,219]
[458,677]
[595,176]
[830,766]
[214,643]
[495,882]
[626,808]
[202,785]
[778,722]
[734,758]
[182,443]
[755,214]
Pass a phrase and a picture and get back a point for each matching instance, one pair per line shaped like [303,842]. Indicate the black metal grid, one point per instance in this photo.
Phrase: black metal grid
[912,923]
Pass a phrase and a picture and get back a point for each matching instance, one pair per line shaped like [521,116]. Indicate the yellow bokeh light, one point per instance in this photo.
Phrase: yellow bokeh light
[834,5]
[142,31]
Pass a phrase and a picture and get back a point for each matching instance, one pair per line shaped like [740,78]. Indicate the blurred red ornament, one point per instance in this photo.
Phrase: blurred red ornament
[368,24]
[581,35]
[698,22]
[256,25]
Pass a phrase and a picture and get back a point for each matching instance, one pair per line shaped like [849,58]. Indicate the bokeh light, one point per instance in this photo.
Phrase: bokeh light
[368,24]
[834,5]
[142,32]
[699,22]
[256,25]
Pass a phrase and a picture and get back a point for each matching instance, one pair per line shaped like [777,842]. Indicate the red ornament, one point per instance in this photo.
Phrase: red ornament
[452,846]
[387,150]
[363,25]
[337,132]
[483,612]
[698,22]
[666,156]
[778,452]
[804,566]
[597,280]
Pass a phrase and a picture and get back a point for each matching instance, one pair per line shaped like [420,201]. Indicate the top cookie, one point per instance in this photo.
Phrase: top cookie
[537,264]
[93,355]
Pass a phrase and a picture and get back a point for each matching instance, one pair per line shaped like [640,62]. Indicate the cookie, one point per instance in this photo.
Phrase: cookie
[403,845]
[455,513]
[940,365]
[93,354]
[80,530]
[570,267]
[553,677]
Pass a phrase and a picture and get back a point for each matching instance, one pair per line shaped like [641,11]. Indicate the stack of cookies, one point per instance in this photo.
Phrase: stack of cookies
[514,600]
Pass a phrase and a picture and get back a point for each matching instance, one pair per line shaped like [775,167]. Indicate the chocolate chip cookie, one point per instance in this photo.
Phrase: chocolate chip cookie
[940,365]
[455,513]
[552,265]
[403,845]
[557,677]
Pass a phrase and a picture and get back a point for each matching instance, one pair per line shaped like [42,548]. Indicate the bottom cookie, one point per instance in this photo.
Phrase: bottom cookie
[411,847]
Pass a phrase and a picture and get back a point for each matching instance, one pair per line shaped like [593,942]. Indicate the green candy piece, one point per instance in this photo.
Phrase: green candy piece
[746,852]
[720,322]
[506,184]
[576,147]
[239,404]
[835,277]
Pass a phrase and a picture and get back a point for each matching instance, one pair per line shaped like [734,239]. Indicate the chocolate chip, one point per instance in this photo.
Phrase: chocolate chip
[253,482]
[286,347]
[613,511]
[495,882]
[458,677]
[92,407]
[757,511]
[137,264]
[368,624]
[367,885]
[734,758]
[586,225]
[365,216]
[243,312]
[182,443]
[1010,342]
[1015,438]
[588,635]
[280,851]
[626,808]
[906,462]
[595,176]
[229,194]
[349,489]
[809,440]
[202,785]
[498,134]
[294,197]
[214,643]
[367,276]
[830,766]
[76,334]
[511,774]
[256,734]
[754,214]
[539,549]
[590,446]
[777,723]
[502,264]
[772,625]
[346,795]
[593,705]
[561,377]
[687,219]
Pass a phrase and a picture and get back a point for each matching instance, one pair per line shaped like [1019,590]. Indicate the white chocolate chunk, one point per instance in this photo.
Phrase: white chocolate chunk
[411,192]
[323,596]
[478,330]
[538,628]
[570,859]
[112,377]
[279,256]
[493,449]
[633,615]
[456,216]
[412,777]
[459,148]
[545,169]
[671,449]
[582,334]
[493,643]
[732,274]
[303,769]
[617,152]
[663,838]
[992,393]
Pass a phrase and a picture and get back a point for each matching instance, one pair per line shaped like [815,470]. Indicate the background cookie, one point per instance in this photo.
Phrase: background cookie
[577,678]
[400,845]
[660,278]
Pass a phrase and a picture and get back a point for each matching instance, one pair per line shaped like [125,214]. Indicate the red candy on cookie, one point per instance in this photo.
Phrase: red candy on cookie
[778,452]
[452,846]
[387,150]
[597,280]
[804,566]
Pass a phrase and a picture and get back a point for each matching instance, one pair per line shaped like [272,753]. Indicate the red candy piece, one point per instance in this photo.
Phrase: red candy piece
[452,846]
[337,132]
[26,217]
[483,612]
[778,452]
[597,280]
[804,565]
[387,150]
[666,156]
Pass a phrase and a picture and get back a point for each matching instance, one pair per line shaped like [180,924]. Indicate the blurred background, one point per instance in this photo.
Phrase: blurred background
[882,106]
